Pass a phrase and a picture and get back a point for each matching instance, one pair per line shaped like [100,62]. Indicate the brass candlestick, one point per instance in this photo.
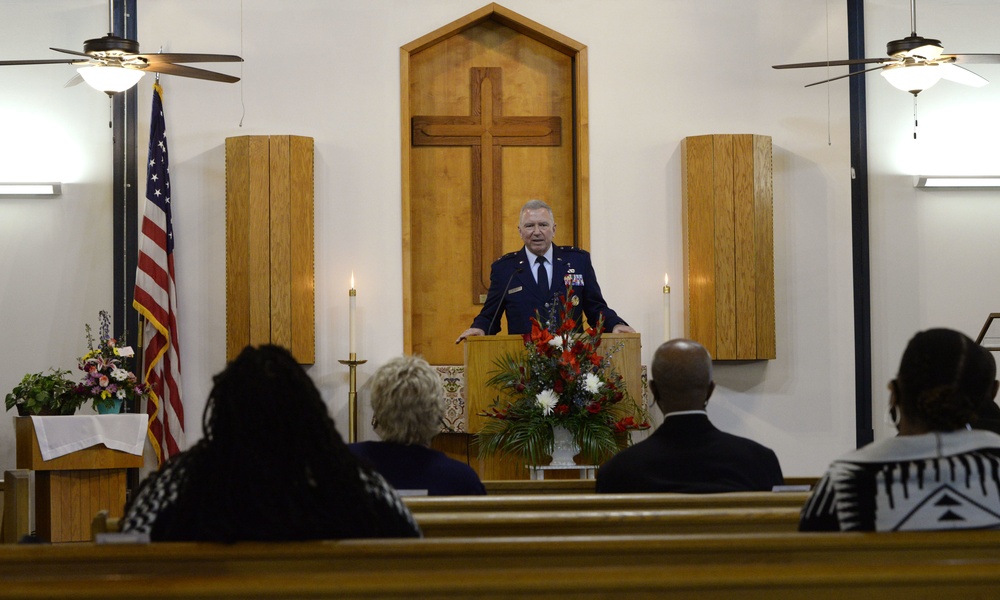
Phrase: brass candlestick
[352,397]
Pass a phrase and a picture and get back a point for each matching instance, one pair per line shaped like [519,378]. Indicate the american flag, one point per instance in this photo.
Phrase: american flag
[156,297]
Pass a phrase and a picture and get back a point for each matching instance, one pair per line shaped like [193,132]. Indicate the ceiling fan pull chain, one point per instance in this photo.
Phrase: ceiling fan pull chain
[914,116]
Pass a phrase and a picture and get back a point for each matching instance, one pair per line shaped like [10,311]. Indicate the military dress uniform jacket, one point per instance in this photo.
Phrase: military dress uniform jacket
[513,290]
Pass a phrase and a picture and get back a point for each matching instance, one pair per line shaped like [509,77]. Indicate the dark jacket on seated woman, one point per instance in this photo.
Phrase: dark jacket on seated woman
[408,405]
[271,466]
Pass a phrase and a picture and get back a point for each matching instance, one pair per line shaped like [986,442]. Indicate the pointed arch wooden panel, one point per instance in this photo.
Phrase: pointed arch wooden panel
[493,113]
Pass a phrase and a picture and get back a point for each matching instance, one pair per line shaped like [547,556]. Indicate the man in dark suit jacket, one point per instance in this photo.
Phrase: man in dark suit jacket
[515,288]
[687,453]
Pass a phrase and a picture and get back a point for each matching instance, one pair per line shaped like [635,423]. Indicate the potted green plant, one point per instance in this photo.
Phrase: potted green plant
[46,393]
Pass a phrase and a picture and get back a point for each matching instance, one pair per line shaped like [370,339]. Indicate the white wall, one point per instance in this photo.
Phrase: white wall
[934,253]
[659,70]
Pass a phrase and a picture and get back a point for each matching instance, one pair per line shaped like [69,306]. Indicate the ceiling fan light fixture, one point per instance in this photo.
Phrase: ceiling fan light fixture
[110,80]
[913,78]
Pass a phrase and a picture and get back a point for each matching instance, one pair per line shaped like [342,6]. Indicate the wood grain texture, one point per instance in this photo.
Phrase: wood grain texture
[539,82]
[764,233]
[280,226]
[303,303]
[487,131]
[746,248]
[698,206]
[16,494]
[725,248]
[270,295]
[237,243]
[259,236]
[728,236]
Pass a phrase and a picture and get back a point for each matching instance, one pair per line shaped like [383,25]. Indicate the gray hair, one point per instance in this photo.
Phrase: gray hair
[534,205]
[407,401]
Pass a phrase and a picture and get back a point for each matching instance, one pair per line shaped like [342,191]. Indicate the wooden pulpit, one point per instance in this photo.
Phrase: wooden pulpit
[71,489]
[481,354]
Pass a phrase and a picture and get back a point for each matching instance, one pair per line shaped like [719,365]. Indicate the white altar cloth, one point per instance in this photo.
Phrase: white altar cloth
[58,436]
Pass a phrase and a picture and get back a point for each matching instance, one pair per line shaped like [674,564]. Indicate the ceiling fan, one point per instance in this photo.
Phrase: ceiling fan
[914,63]
[113,64]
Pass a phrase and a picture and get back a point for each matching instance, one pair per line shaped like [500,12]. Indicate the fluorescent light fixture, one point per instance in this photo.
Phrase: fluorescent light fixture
[956,182]
[30,189]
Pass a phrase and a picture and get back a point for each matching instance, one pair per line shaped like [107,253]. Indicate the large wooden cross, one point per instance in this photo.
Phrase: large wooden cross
[487,131]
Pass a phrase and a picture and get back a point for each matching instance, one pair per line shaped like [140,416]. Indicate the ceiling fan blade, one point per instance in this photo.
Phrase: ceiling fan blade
[60,61]
[70,52]
[973,58]
[183,71]
[835,63]
[174,57]
[961,75]
[74,80]
[844,76]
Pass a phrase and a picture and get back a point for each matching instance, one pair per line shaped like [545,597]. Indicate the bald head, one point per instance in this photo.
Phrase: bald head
[682,376]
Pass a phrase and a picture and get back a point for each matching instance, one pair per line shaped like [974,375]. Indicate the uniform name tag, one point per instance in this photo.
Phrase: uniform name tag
[517,289]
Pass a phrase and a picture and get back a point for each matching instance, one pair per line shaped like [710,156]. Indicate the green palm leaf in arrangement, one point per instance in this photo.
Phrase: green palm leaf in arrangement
[561,379]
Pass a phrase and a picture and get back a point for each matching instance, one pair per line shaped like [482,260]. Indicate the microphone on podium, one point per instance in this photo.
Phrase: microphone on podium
[503,295]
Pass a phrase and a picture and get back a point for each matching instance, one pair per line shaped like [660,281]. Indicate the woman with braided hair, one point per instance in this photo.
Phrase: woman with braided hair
[938,473]
[271,466]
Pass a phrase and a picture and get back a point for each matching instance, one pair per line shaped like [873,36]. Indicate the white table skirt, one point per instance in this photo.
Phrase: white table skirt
[58,436]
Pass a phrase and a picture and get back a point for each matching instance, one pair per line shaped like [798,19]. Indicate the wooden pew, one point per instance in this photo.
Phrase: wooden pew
[901,565]
[564,502]
[595,522]
[15,505]
[504,487]
[607,522]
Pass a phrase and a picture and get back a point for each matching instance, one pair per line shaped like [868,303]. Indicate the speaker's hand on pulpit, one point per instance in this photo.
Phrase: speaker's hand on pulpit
[622,328]
[471,331]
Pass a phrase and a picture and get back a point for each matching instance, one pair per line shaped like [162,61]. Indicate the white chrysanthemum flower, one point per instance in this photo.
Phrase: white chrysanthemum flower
[547,399]
[556,341]
[120,394]
[592,383]
[119,374]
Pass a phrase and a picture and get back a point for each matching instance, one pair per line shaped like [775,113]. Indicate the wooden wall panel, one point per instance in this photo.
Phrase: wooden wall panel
[269,244]
[302,256]
[764,230]
[725,246]
[699,233]
[728,236]
[237,241]
[745,228]
[281,233]
[259,241]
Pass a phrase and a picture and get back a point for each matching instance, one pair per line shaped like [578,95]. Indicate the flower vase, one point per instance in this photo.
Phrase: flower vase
[564,447]
[110,410]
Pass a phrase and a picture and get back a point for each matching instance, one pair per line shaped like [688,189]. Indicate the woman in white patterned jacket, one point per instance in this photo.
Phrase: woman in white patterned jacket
[938,473]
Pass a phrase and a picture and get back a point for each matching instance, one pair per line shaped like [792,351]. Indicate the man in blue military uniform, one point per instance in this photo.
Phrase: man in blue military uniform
[520,281]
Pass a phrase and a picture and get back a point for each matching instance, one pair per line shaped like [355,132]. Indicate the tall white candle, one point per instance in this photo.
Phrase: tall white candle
[353,294]
[666,307]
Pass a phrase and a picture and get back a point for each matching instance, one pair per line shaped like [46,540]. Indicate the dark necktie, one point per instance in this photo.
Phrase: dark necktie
[543,276]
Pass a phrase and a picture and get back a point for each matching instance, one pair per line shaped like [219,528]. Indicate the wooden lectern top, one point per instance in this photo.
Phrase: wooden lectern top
[29,454]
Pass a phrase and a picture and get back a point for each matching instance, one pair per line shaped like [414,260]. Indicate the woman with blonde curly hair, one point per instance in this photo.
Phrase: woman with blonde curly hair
[408,405]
